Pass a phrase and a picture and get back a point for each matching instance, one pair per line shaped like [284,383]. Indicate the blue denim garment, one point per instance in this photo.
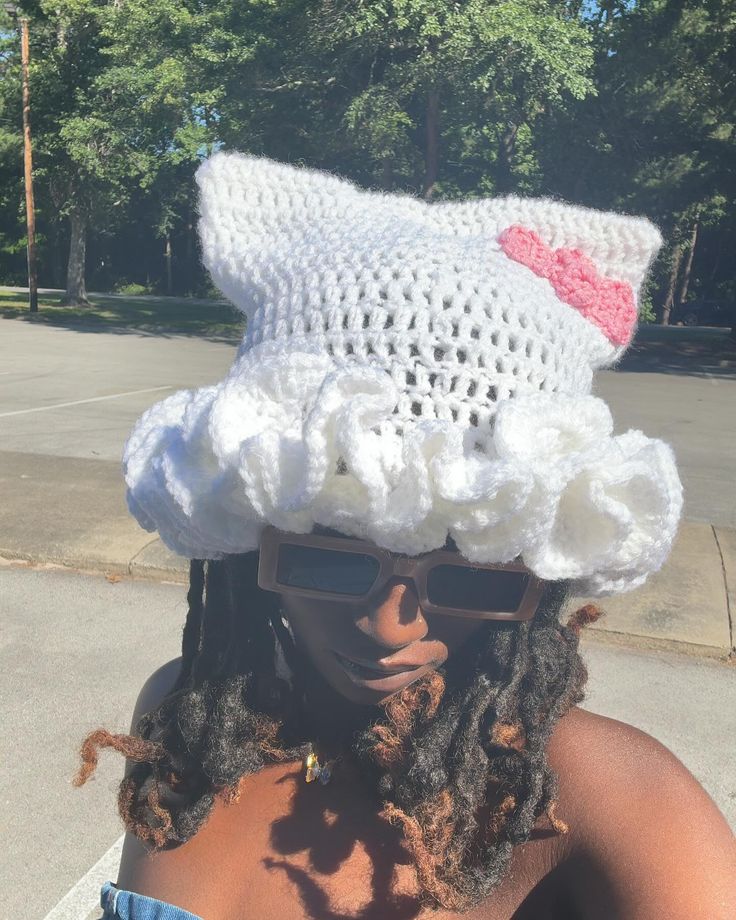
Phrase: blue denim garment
[127,905]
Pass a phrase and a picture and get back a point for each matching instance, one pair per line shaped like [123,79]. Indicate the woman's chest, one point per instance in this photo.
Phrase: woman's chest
[291,850]
[362,875]
[321,878]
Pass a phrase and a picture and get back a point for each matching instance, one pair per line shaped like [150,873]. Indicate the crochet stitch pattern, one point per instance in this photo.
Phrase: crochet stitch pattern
[402,378]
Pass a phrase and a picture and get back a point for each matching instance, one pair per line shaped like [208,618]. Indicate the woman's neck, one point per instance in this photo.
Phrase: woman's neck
[331,721]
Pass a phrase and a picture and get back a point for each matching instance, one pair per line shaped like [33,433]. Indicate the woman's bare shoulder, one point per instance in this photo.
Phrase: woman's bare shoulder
[642,826]
[152,693]
[588,748]
[155,688]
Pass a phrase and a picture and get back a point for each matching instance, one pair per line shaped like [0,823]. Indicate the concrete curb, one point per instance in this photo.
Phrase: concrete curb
[64,504]
[599,634]
[88,566]
[687,604]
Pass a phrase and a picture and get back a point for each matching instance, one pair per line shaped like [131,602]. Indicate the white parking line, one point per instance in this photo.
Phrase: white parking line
[78,903]
[79,402]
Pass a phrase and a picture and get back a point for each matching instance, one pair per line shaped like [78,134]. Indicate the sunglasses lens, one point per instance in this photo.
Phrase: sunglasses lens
[319,569]
[464,588]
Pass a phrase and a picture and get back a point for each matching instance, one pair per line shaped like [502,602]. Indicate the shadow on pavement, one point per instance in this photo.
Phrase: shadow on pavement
[696,351]
[125,315]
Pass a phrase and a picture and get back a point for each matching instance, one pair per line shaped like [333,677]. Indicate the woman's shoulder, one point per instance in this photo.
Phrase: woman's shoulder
[152,693]
[641,825]
[155,688]
[590,749]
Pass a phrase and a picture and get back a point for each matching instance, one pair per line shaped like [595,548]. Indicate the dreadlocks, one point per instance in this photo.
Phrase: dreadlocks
[458,758]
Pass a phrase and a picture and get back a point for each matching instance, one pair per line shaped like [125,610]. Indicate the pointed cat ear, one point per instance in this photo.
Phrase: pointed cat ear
[620,247]
[252,211]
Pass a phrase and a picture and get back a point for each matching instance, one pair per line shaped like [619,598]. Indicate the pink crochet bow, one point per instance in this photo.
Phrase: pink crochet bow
[608,303]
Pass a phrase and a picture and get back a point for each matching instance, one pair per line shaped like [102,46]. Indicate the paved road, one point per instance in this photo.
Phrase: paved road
[76,650]
[69,393]
[72,393]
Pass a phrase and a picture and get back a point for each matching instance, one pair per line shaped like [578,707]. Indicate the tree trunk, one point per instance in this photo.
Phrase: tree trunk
[431,153]
[76,288]
[167,256]
[387,173]
[689,263]
[669,300]
[506,150]
[190,262]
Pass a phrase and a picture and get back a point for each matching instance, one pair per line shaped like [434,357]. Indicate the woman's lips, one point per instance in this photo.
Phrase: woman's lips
[380,676]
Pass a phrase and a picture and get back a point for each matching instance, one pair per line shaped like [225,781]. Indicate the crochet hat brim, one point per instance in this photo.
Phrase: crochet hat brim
[292,441]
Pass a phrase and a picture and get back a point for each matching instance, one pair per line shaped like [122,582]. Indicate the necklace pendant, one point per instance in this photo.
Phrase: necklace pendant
[312,768]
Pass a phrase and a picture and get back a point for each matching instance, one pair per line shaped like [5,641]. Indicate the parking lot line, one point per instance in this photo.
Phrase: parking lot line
[79,402]
[84,897]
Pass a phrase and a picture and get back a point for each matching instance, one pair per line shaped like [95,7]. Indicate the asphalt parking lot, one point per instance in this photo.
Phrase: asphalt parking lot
[74,393]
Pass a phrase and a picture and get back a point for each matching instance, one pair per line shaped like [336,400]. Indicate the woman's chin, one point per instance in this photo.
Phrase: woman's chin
[371,689]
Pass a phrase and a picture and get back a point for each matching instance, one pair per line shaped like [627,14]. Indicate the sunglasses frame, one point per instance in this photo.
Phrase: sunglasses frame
[390,565]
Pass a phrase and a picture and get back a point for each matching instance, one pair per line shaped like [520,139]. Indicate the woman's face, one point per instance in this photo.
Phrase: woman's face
[368,652]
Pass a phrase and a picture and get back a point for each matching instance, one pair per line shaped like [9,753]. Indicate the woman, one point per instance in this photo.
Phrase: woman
[396,487]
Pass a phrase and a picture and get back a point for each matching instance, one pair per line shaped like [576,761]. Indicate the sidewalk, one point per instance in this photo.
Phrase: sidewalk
[71,512]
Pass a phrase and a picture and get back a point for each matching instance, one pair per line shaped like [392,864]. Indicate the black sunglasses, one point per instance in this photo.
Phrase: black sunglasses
[351,570]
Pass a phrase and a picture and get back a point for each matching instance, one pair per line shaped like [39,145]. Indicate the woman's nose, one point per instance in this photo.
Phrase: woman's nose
[394,618]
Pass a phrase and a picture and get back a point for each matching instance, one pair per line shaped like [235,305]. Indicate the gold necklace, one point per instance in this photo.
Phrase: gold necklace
[314,770]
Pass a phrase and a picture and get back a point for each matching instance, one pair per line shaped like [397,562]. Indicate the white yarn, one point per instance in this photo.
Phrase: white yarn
[401,378]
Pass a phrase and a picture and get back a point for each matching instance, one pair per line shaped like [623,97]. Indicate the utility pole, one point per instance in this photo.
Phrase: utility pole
[27,160]
[28,164]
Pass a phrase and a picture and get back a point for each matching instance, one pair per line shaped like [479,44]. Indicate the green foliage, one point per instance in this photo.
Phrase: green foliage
[12,217]
[376,120]
[492,66]
[647,313]
[620,104]
[132,289]
[660,137]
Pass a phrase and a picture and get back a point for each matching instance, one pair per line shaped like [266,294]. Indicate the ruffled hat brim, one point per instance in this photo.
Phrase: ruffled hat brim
[298,439]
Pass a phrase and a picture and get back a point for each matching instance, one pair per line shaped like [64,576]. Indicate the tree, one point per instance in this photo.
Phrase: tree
[660,137]
[98,131]
[12,220]
[169,65]
[432,82]
[615,104]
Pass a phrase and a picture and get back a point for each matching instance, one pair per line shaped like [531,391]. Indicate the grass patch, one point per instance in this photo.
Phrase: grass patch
[160,316]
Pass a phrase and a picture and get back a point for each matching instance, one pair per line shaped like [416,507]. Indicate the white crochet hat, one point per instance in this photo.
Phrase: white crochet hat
[409,371]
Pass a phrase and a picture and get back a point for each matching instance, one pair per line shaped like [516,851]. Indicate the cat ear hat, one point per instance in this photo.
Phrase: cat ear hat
[408,371]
